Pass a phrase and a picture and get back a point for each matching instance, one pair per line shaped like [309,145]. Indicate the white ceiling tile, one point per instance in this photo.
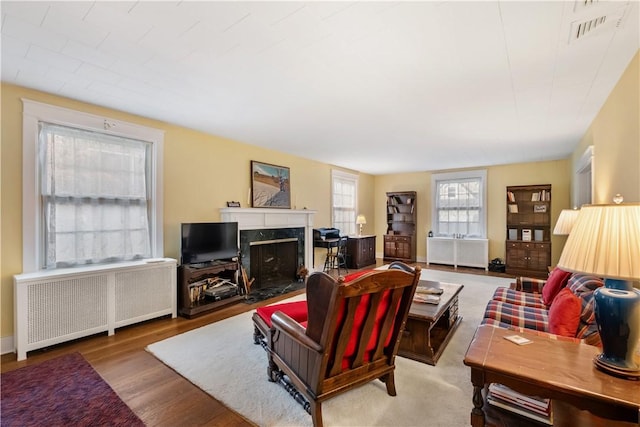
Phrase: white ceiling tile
[14,46]
[28,33]
[98,74]
[84,53]
[59,19]
[30,12]
[49,58]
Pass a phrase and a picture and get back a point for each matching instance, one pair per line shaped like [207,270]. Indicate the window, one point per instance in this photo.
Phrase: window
[90,194]
[459,204]
[344,197]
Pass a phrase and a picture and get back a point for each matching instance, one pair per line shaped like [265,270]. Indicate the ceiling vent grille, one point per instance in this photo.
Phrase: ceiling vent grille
[597,25]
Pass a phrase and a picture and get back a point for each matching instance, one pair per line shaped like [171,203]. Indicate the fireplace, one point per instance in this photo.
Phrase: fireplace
[278,227]
[273,262]
[269,253]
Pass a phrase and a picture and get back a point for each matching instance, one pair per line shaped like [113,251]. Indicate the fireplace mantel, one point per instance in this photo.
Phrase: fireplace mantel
[260,218]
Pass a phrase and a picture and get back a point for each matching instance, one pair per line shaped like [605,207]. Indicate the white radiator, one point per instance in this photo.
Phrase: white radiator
[61,305]
[464,252]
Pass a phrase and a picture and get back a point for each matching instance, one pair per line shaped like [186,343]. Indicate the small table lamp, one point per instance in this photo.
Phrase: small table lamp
[361,220]
[565,222]
[605,242]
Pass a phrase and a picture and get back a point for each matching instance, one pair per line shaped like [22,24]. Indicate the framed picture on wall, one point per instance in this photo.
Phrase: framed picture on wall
[270,186]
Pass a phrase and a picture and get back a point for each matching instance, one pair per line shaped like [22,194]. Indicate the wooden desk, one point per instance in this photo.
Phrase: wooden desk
[549,368]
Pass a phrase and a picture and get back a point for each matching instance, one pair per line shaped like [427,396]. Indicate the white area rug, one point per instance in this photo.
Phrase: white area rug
[222,360]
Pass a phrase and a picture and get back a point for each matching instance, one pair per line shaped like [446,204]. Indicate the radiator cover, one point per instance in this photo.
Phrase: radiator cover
[463,252]
[52,307]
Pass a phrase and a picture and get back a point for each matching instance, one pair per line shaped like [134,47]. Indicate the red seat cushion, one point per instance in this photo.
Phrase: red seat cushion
[556,281]
[564,314]
[296,310]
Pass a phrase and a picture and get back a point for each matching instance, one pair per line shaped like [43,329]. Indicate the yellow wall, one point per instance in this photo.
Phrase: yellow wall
[201,173]
[557,173]
[220,167]
[615,136]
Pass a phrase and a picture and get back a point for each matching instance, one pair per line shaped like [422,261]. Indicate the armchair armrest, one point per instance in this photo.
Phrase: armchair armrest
[283,323]
[528,284]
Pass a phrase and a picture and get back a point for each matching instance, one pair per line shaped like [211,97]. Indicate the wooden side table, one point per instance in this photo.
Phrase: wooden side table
[551,368]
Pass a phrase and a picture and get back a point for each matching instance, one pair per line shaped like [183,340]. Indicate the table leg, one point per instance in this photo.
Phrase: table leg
[477,414]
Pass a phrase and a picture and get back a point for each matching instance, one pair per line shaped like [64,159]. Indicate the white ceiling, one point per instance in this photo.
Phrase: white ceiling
[379,87]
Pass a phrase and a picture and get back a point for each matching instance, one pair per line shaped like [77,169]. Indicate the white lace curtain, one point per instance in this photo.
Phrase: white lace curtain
[95,194]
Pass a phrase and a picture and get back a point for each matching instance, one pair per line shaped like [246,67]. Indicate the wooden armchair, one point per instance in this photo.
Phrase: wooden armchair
[352,336]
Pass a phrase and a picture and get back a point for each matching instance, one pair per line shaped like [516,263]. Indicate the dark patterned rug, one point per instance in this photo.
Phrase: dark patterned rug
[65,391]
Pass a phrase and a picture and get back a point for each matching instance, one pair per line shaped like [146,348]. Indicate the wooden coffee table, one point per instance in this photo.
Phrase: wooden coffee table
[560,370]
[430,326]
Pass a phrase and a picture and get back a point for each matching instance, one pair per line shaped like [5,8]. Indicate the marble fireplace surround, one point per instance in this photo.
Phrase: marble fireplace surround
[255,219]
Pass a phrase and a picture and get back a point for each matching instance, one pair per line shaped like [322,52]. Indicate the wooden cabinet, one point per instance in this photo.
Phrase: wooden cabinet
[400,240]
[528,245]
[361,251]
[192,284]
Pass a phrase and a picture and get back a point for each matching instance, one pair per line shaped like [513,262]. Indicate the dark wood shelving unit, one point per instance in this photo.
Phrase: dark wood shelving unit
[400,240]
[528,244]
[191,303]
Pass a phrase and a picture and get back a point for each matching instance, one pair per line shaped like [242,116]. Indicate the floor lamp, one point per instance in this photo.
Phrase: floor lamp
[605,242]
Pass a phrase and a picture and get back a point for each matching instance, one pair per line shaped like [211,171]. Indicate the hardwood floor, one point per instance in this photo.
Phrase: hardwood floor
[158,395]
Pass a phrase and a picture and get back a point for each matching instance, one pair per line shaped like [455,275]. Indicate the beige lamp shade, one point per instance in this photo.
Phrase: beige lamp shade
[565,222]
[605,241]
[361,219]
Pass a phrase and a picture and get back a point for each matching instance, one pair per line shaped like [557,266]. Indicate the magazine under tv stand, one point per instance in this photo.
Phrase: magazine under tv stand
[188,274]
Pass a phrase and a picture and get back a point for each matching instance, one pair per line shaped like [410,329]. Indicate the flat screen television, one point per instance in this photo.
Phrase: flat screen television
[208,241]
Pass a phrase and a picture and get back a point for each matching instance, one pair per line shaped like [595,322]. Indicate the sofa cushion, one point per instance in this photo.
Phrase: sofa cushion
[564,314]
[582,286]
[556,281]
[518,315]
[513,296]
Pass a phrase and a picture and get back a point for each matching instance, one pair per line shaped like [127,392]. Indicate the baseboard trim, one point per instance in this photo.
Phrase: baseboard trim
[7,345]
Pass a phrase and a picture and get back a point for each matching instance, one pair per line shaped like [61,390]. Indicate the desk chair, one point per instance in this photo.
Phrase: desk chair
[337,256]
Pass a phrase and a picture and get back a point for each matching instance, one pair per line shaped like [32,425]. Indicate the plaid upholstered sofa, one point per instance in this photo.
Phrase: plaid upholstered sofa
[561,305]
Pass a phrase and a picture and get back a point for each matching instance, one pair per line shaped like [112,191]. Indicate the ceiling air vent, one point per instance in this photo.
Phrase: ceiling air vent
[597,25]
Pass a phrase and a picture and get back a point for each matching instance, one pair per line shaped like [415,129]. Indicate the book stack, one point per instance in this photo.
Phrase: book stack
[533,407]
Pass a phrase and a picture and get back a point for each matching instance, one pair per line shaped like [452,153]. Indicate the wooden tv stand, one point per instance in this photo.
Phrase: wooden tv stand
[189,274]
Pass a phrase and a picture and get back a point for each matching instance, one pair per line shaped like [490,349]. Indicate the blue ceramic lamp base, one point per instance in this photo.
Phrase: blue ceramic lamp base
[617,312]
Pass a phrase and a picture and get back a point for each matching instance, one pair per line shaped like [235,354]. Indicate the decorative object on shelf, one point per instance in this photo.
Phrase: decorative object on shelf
[614,230]
[270,186]
[361,220]
[565,222]
[539,208]
[233,204]
[526,235]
